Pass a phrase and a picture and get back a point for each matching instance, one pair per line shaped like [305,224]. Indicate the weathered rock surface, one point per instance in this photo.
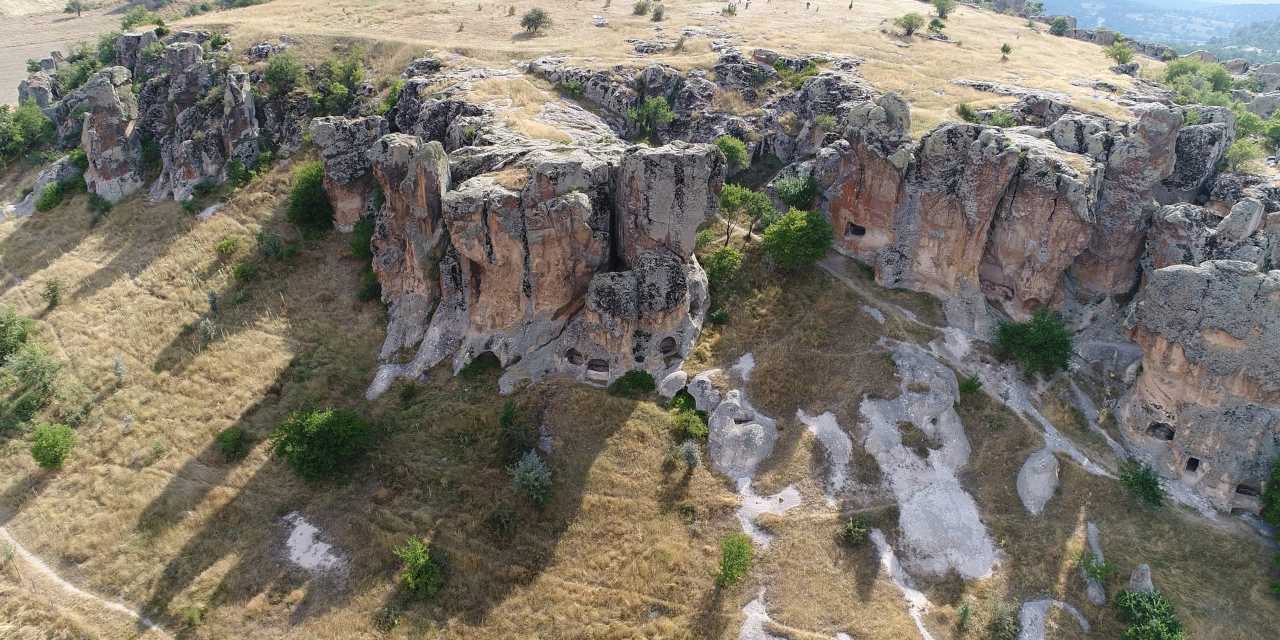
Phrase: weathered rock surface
[109,136]
[343,144]
[1038,480]
[60,171]
[1205,410]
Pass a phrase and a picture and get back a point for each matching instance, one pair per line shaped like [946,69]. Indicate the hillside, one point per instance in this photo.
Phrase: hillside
[946,341]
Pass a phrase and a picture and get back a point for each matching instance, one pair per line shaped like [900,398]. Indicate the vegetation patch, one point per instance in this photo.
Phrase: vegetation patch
[798,239]
[1142,482]
[1040,345]
[735,559]
[51,443]
[321,444]
[421,574]
[1150,616]
[309,205]
[633,384]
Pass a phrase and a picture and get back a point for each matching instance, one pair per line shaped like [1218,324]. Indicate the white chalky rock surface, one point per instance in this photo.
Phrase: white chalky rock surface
[755,617]
[941,526]
[705,396]
[672,384]
[305,548]
[1033,614]
[838,447]
[917,603]
[753,506]
[1038,480]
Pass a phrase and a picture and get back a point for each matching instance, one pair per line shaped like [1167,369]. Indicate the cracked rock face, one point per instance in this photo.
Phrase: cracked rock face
[343,143]
[1205,410]
[109,136]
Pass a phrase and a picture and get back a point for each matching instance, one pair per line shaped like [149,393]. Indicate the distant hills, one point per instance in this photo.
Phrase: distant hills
[1230,29]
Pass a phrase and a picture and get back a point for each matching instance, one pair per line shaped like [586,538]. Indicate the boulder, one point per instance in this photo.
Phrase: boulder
[348,181]
[109,136]
[705,395]
[240,132]
[1237,66]
[1205,410]
[59,171]
[40,88]
[740,437]
[672,384]
[1038,480]
[1265,104]
[1200,149]
[1245,218]
[1140,579]
[129,47]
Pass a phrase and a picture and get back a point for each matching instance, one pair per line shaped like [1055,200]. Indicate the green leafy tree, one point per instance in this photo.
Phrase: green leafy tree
[421,573]
[909,23]
[75,6]
[740,203]
[735,152]
[535,20]
[1041,344]
[797,239]
[721,266]
[51,443]
[23,130]
[650,115]
[309,205]
[1120,52]
[1060,26]
[944,7]
[320,444]
[14,330]
[1243,155]
[283,73]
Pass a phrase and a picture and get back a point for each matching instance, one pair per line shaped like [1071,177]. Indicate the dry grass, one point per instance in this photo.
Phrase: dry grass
[919,69]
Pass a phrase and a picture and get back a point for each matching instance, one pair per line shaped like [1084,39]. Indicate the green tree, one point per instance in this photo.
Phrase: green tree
[420,573]
[50,445]
[735,152]
[1120,52]
[797,239]
[738,203]
[283,73]
[1243,155]
[535,20]
[944,7]
[650,115]
[1060,26]
[1041,344]
[320,444]
[75,6]
[309,205]
[909,23]
[721,266]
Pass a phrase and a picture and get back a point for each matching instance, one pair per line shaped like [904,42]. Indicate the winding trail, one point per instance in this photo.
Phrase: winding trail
[58,590]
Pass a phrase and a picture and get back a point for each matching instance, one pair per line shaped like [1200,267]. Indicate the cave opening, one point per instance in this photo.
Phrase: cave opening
[1161,431]
[1193,465]
[852,230]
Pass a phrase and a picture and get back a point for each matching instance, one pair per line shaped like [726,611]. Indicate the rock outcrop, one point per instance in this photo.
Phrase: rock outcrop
[1205,410]
[109,135]
[343,144]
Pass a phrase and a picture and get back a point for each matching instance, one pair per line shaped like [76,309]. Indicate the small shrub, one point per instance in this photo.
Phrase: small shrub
[641,8]
[970,385]
[1002,119]
[392,98]
[119,371]
[651,115]
[967,113]
[502,523]
[361,239]
[1143,482]
[321,443]
[370,288]
[798,239]
[825,122]
[659,12]
[1150,616]
[515,434]
[245,272]
[1041,344]
[797,192]
[138,16]
[944,7]
[633,384]
[1242,155]
[270,245]
[690,454]
[535,20]
[794,79]
[531,477]
[22,130]
[722,266]
[420,574]
[14,330]
[735,559]
[855,532]
[99,206]
[232,443]
[1119,52]
[572,88]
[52,293]
[909,23]
[735,152]
[50,197]
[1059,26]
[207,331]
[283,74]
[937,25]
[718,316]
[1004,623]
[50,445]
[1005,50]
[309,205]
[227,247]
[34,369]
[689,424]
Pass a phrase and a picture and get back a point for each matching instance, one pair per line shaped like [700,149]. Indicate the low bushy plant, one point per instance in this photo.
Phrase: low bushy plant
[735,152]
[1150,616]
[52,293]
[689,453]
[736,554]
[50,197]
[1041,345]
[1120,52]
[227,247]
[970,385]
[1002,119]
[641,8]
[323,443]
[283,74]
[14,330]
[33,368]
[22,130]
[232,443]
[51,443]
[1143,482]
[1099,570]
[855,531]
[531,477]
[797,239]
[651,115]
[138,16]
[689,424]
[1004,623]
[309,205]
[797,192]
[1060,26]
[633,384]
[421,574]
[722,265]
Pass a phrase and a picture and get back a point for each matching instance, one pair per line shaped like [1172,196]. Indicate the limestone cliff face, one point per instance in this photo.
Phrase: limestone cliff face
[343,143]
[1206,407]
[109,135]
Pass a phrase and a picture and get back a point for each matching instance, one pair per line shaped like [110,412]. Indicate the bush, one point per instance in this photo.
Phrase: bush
[1060,26]
[944,7]
[721,266]
[244,272]
[52,293]
[689,453]
[227,247]
[653,113]
[1005,50]
[855,532]
[937,25]
[515,434]
[14,330]
[909,23]
[797,192]
[138,16]
[658,13]
[641,8]
[22,130]
[1004,623]
[362,238]
[633,384]
[502,522]
[1002,119]
[1149,615]
[798,239]
[421,574]
[232,443]
[535,20]
[825,122]
[50,197]
[735,152]
[689,424]
[1119,52]
[970,385]
[1099,570]
[51,443]
[532,477]
[321,443]
[337,82]
[99,206]
[793,79]
[967,113]
[308,203]
[392,97]
[1143,482]
[283,73]
[735,559]
[1243,155]
[1041,344]
[33,368]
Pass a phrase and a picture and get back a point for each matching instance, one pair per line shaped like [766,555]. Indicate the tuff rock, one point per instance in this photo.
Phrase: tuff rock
[343,143]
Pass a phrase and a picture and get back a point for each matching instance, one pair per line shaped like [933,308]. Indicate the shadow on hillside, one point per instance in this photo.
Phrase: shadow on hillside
[20,492]
[36,242]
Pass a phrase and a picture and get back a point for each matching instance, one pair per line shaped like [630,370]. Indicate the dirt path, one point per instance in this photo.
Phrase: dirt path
[34,36]
[44,582]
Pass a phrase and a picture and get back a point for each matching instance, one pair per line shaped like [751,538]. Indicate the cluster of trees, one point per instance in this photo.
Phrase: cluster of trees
[1196,82]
